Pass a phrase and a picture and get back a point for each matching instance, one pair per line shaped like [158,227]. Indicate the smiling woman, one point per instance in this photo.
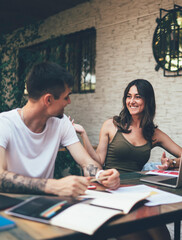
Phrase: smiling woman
[127,139]
[130,145]
[144,98]
[135,103]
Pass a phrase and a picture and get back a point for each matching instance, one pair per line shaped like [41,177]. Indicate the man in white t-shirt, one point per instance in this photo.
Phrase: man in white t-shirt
[31,136]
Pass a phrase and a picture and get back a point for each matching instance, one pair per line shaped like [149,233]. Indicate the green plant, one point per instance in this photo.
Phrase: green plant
[11,88]
[65,161]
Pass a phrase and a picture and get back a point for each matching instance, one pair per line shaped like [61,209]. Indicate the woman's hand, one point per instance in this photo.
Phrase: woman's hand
[78,128]
[167,163]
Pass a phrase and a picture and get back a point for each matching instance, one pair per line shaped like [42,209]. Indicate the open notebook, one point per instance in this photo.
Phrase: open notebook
[169,181]
[85,215]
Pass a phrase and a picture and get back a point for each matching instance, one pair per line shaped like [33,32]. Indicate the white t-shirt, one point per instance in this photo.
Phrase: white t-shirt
[33,154]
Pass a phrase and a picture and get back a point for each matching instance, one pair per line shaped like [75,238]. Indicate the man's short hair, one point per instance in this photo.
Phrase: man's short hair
[48,77]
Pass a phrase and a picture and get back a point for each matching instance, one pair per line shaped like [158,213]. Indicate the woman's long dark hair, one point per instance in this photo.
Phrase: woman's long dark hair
[123,121]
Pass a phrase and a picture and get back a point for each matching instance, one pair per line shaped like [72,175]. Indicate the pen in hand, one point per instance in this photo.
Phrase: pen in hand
[98,179]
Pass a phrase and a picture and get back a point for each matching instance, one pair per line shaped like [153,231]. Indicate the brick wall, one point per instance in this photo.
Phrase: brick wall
[124,52]
[124,31]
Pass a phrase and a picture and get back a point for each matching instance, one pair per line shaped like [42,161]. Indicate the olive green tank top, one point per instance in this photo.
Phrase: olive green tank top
[124,156]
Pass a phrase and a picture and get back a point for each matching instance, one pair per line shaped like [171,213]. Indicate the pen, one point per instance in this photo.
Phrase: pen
[98,179]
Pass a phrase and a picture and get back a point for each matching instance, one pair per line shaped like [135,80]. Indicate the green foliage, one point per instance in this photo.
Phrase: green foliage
[11,89]
[65,161]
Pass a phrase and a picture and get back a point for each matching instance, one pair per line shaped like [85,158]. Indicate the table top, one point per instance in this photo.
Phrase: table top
[142,217]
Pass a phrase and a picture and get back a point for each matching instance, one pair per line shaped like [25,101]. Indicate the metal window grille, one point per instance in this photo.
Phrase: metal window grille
[167,42]
[76,52]
[80,59]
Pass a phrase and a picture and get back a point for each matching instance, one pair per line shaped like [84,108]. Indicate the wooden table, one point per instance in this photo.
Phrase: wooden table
[139,219]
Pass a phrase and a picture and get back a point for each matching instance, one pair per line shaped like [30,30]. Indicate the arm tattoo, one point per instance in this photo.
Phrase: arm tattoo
[92,170]
[16,183]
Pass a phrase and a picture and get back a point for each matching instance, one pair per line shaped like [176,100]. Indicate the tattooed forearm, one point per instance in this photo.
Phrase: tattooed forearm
[15,183]
[92,170]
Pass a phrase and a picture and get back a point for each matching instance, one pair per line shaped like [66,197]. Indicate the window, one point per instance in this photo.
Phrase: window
[76,52]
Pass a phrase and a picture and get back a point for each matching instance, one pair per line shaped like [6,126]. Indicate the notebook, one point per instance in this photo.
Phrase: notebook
[64,212]
[6,201]
[6,223]
[168,181]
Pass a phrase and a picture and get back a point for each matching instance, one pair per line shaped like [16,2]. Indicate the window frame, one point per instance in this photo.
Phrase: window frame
[66,50]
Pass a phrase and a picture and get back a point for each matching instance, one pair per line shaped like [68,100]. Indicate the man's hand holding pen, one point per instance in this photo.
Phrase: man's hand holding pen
[108,178]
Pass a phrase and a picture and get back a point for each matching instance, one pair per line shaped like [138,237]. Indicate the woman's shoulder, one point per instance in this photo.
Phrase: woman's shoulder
[108,123]
[108,128]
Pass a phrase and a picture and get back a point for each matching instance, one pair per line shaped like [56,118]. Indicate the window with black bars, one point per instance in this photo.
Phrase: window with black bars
[76,52]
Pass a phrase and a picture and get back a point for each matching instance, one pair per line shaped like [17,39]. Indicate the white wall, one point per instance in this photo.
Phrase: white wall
[124,31]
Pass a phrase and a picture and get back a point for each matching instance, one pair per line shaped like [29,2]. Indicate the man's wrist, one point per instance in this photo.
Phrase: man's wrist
[49,186]
[98,174]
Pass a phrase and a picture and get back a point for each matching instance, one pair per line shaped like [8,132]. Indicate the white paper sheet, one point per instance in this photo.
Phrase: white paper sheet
[83,217]
[157,197]
[95,194]
[123,202]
